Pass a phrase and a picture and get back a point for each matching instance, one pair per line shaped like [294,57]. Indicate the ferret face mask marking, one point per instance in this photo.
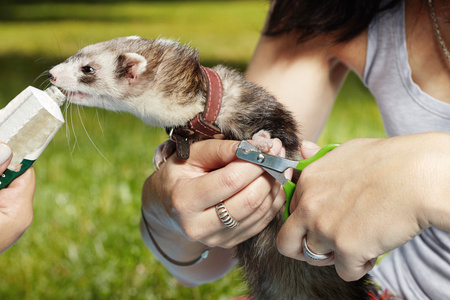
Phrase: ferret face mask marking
[98,80]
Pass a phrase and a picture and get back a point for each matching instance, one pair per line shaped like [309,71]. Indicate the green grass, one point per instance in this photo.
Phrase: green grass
[84,242]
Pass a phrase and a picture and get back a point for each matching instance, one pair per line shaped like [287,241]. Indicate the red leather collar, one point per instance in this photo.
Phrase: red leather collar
[203,123]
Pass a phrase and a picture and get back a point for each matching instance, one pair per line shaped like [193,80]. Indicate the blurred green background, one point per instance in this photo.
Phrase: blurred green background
[84,242]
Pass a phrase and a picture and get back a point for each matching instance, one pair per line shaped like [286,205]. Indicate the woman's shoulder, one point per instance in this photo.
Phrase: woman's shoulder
[352,53]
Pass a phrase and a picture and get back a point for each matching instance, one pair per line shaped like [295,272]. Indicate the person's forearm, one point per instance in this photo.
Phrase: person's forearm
[306,78]
[178,248]
[435,165]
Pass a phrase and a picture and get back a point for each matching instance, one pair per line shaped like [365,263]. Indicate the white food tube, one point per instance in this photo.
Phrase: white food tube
[27,124]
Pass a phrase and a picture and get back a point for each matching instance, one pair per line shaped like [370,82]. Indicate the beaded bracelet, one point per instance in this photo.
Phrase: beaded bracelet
[202,256]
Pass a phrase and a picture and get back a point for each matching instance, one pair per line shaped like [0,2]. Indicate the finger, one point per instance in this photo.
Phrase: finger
[222,183]
[308,149]
[22,188]
[351,269]
[218,153]
[213,154]
[259,223]
[252,196]
[249,227]
[311,254]
[5,157]
[255,200]
[208,190]
[26,181]
[246,207]
[290,237]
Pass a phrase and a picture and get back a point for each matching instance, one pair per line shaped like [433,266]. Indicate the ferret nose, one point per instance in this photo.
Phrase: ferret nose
[51,77]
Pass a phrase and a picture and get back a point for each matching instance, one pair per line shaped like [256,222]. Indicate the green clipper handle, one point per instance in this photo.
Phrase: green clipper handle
[8,176]
[289,187]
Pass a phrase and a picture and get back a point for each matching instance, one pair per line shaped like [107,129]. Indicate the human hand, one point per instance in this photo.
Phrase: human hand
[363,199]
[181,197]
[16,202]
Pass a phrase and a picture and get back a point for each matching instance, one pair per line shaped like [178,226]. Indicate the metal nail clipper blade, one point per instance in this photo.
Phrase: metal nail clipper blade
[275,165]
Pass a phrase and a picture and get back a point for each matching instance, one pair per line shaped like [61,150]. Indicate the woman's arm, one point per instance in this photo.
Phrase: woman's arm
[305,77]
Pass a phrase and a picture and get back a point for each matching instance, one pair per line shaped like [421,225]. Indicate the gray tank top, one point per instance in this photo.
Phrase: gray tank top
[421,268]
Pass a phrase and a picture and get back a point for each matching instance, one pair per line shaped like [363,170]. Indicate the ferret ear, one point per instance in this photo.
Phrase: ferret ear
[131,66]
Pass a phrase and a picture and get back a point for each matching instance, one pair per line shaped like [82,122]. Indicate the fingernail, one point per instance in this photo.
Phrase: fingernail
[5,153]
[310,145]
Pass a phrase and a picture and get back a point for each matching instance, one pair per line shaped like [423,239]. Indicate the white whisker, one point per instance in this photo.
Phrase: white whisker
[99,123]
[73,131]
[66,107]
[87,134]
[46,82]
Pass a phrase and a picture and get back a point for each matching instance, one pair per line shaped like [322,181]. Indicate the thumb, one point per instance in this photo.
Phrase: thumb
[308,149]
[212,153]
[5,155]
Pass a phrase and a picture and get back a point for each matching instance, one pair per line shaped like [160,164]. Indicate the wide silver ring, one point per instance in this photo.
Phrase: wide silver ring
[310,255]
[224,216]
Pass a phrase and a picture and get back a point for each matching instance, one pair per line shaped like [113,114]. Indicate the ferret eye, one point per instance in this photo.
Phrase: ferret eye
[87,69]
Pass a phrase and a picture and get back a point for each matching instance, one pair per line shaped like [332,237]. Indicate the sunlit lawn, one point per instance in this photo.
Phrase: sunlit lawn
[84,242]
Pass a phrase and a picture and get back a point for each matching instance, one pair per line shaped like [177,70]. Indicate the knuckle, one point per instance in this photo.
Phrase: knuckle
[321,226]
[213,242]
[254,199]
[280,246]
[180,203]
[348,273]
[345,275]
[305,207]
[344,248]
[284,250]
[224,148]
[192,232]
[268,213]
[231,180]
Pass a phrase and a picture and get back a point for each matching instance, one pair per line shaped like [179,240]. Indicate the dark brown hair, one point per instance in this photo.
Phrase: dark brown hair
[311,18]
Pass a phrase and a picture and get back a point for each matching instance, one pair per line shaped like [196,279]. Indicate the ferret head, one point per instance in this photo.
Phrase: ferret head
[100,74]
[148,78]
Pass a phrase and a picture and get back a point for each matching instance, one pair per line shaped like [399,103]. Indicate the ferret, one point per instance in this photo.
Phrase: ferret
[162,82]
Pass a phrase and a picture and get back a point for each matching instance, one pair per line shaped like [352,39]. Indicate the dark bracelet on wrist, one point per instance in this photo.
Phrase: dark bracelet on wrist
[202,256]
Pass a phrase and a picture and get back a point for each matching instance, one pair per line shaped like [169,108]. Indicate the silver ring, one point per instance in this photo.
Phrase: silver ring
[225,217]
[310,255]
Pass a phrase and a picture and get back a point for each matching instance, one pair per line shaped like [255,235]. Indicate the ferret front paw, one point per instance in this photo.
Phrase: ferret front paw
[262,141]
[162,152]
